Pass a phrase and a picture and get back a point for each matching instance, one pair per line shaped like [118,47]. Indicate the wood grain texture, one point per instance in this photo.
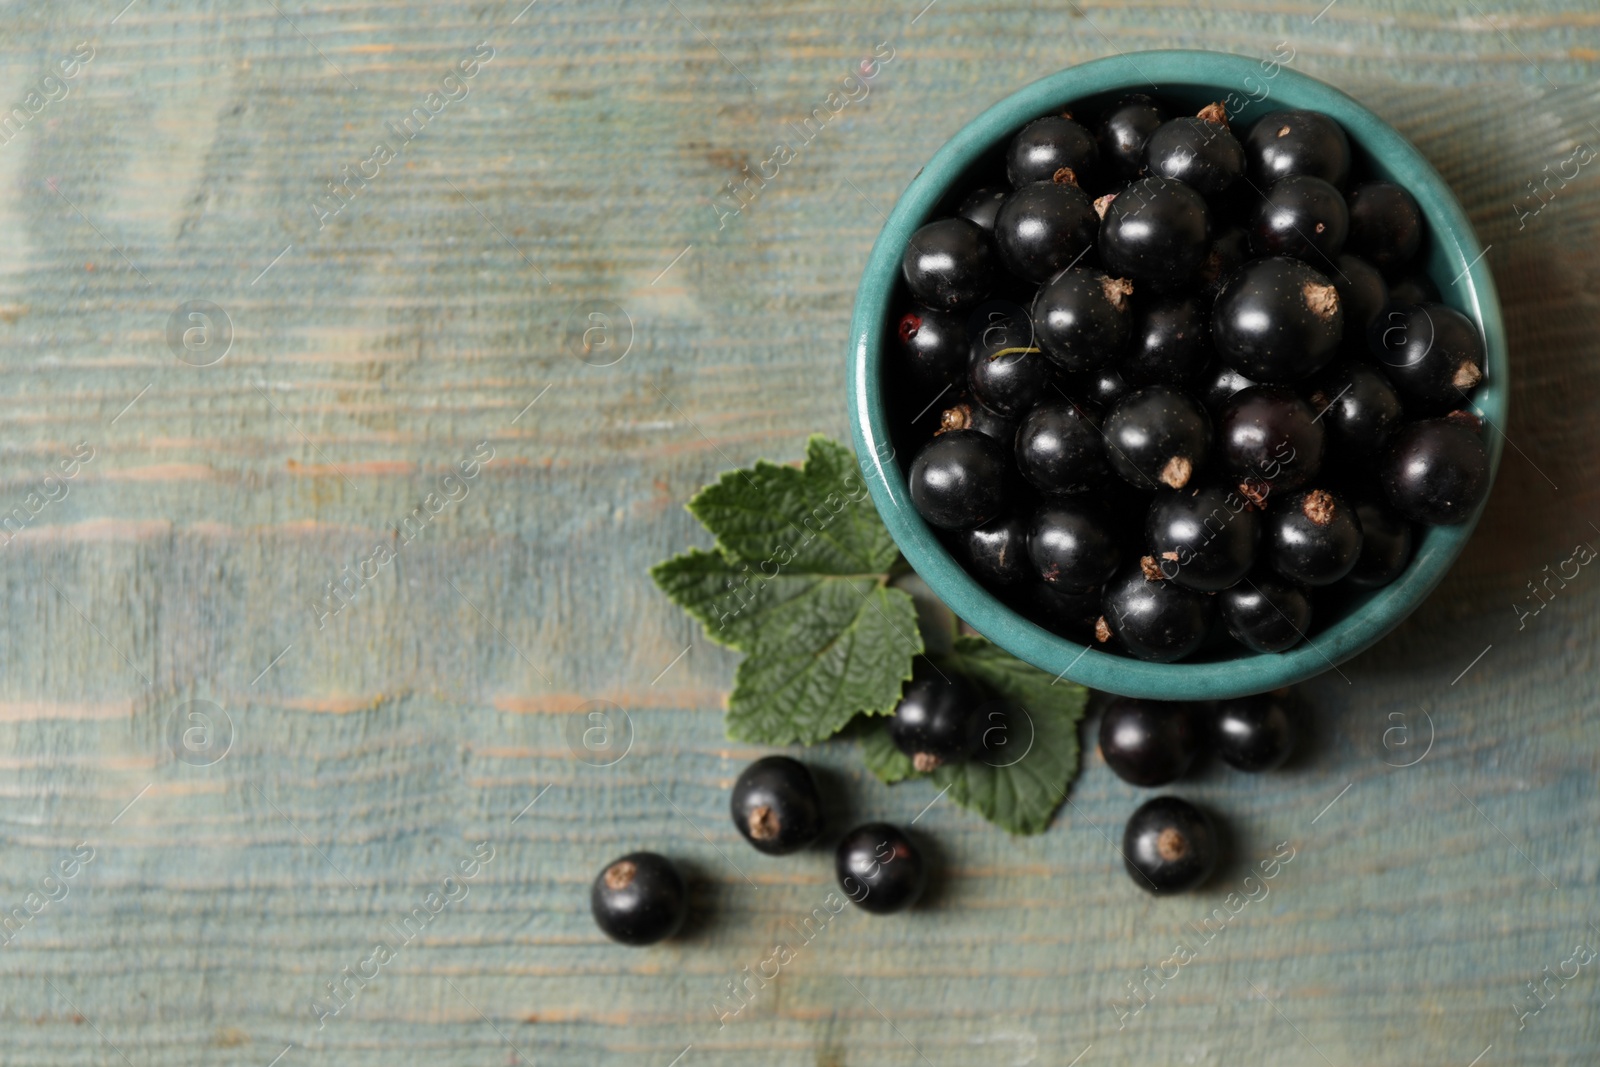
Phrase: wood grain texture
[366,755]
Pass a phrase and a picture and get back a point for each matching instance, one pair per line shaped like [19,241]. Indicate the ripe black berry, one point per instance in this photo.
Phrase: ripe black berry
[1155,620]
[1199,151]
[958,480]
[776,806]
[1228,251]
[1363,293]
[1060,450]
[1221,383]
[1265,612]
[1312,537]
[1357,408]
[997,551]
[639,899]
[1043,228]
[1385,224]
[1277,320]
[982,205]
[933,347]
[1082,318]
[879,868]
[1126,128]
[1202,536]
[1304,217]
[1155,230]
[1385,547]
[1006,376]
[1253,733]
[1157,436]
[1170,342]
[1266,433]
[1284,143]
[1044,147]
[1068,613]
[969,415]
[1169,846]
[950,263]
[930,724]
[1072,544]
[1149,742]
[1102,388]
[1415,289]
[1432,353]
[1435,471]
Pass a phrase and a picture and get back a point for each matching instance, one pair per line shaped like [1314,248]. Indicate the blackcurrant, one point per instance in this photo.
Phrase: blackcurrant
[958,480]
[776,806]
[1199,151]
[1266,433]
[1385,224]
[1155,230]
[1312,537]
[1170,344]
[879,868]
[1149,742]
[1304,217]
[1126,128]
[1154,620]
[982,205]
[1265,612]
[1253,733]
[1356,406]
[933,347]
[1157,436]
[1066,612]
[639,899]
[1385,547]
[1169,846]
[1072,544]
[1011,379]
[1364,295]
[1102,388]
[1228,251]
[1414,289]
[1431,352]
[930,723]
[970,415]
[1277,320]
[1435,471]
[1044,147]
[950,263]
[1202,536]
[1292,142]
[997,551]
[1082,318]
[1220,384]
[1044,227]
[1059,449]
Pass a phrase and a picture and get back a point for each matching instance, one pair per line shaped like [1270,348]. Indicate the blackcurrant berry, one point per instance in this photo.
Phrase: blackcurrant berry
[1149,742]
[1011,379]
[1253,733]
[1385,547]
[1044,147]
[879,868]
[1312,537]
[1415,289]
[1277,320]
[639,899]
[982,205]
[1126,128]
[1072,544]
[1155,620]
[1200,151]
[1385,224]
[1285,143]
[1435,471]
[776,805]
[1228,251]
[1357,407]
[1156,231]
[950,263]
[1060,450]
[1170,342]
[1202,536]
[997,552]
[1064,612]
[1304,217]
[1044,228]
[958,480]
[1082,318]
[933,347]
[1221,383]
[1364,295]
[1266,433]
[1101,388]
[1169,846]
[1157,436]
[970,415]
[1265,612]
[1432,353]
[930,723]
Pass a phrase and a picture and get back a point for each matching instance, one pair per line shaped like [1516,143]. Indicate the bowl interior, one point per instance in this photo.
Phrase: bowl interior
[1452,258]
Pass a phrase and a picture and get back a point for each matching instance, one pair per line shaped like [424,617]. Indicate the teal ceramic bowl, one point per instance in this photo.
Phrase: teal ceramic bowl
[1452,258]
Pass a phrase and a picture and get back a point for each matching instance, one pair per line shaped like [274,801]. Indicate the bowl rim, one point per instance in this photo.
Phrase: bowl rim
[1453,244]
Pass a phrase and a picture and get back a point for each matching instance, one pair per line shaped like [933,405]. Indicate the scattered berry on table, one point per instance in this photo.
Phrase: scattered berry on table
[1253,733]
[1149,742]
[776,806]
[879,868]
[932,721]
[1169,846]
[639,899]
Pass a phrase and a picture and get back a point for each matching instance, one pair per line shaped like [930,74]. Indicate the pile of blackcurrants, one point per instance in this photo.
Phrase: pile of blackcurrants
[1185,377]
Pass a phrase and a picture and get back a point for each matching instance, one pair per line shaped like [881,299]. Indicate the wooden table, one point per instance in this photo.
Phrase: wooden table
[253,780]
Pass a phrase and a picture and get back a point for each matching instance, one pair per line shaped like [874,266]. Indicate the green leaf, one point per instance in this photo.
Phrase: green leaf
[798,583]
[1020,786]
